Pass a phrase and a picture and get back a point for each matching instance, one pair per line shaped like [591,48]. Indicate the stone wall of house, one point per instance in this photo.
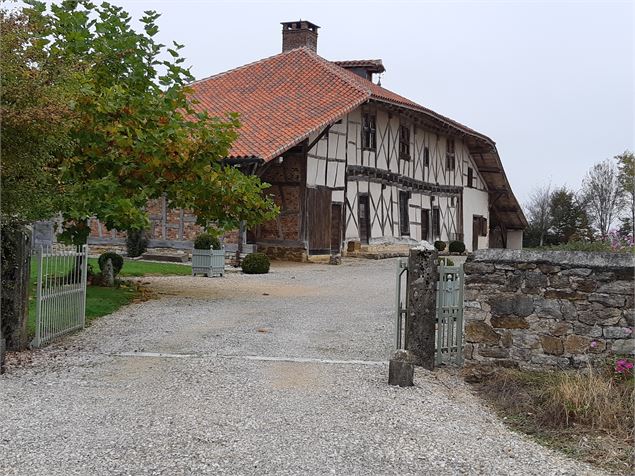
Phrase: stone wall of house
[547,309]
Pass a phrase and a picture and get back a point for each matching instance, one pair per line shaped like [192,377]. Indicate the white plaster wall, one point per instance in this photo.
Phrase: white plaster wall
[475,202]
[515,240]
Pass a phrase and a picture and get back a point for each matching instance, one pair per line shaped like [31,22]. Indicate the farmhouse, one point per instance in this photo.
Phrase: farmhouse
[348,160]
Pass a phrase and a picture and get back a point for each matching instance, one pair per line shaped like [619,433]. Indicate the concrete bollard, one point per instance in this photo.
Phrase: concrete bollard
[401,369]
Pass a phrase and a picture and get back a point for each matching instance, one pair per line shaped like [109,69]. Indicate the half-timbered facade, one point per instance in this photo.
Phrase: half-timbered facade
[350,161]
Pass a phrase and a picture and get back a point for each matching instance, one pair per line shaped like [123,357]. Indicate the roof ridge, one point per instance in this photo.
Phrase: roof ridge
[340,72]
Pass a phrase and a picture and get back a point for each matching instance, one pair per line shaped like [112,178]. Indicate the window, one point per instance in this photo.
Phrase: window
[450,160]
[425,225]
[404,221]
[483,226]
[436,223]
[470,177]
[426,157]
[404,142]
[369,132]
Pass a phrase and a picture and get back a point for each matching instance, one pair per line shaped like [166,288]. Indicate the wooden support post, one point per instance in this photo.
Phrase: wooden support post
[423,275]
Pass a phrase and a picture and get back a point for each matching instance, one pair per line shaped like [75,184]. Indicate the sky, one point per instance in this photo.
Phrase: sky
[551,82]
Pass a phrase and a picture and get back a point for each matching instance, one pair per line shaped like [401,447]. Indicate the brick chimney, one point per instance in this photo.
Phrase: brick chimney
[296,34]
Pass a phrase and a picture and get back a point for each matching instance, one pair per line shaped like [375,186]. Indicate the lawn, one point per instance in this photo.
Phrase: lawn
[101,301]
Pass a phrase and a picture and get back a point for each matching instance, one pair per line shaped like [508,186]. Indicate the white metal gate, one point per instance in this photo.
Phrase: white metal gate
[449,326]
[61,291]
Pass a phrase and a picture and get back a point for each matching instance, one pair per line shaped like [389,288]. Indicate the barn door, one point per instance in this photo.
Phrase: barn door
[319,220]
[336,228]
[363,214]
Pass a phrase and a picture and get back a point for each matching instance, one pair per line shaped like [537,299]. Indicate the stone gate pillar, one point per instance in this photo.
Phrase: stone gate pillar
[16,259]
[423,275]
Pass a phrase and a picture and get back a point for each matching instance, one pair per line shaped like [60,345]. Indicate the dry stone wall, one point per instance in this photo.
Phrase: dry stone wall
[547,309]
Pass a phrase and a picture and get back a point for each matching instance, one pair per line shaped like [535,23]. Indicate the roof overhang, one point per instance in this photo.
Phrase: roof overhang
[483,150]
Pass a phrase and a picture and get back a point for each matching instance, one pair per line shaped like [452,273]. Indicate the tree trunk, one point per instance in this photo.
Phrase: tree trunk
[15,263]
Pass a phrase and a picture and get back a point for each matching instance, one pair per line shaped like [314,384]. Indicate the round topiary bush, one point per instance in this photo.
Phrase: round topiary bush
[456,247]
[256,263]
[439,245]
[205,241]
[117,261]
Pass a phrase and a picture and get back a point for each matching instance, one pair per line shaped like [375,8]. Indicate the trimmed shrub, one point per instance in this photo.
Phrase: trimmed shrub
[205,241]
[456,247]
[256,263]
[439,245]
[117,261]
[136,243]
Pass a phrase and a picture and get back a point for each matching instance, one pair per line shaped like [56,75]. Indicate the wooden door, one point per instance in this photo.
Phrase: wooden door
[319,220]
[363,215]
[476,231]
[336,228]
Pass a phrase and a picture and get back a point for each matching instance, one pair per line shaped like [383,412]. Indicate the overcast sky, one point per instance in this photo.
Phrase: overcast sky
[551,82]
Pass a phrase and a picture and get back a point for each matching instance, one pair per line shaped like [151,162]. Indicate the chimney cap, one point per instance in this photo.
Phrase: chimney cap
[299,25]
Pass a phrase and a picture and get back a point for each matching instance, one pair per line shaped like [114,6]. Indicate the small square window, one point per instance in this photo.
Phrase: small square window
[450,159]
[369,132]
[404,142]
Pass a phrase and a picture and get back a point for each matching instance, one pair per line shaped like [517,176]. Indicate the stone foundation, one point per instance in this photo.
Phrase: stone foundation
[282,253]
[547,309]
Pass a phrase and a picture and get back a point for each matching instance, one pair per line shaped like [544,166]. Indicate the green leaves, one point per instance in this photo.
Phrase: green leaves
[135,134]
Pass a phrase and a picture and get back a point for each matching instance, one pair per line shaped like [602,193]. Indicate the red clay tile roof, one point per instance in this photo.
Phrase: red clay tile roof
[282,99]
[374,65]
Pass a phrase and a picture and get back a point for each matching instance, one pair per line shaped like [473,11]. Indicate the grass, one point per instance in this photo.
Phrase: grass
[587,414]
[101,301]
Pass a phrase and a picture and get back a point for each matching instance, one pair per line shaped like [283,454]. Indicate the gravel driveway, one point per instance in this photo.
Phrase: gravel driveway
[277,374]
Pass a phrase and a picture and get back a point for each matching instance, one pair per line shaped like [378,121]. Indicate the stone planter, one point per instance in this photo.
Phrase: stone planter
[208,262]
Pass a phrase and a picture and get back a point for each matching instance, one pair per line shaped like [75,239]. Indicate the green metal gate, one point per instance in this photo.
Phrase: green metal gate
[449,325]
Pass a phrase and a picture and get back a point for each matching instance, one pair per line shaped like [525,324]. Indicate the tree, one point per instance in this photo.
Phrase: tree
[568,217]
[602,195]
[95,123]
[138,135]
[626,177]
[36,121]
[538,211]
[36,125]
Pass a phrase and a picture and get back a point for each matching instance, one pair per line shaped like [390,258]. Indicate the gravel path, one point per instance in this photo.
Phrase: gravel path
[277,374]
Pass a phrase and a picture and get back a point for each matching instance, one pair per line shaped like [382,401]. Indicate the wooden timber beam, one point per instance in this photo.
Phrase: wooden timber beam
[317,139]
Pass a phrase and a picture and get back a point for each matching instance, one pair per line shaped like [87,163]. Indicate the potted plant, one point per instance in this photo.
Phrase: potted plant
[208,256]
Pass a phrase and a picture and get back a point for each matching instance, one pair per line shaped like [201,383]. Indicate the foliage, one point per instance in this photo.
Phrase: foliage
[602,195]
[117,261]
[626,177]
[205,241]
[568,217]
[138,135]
[256,263]
[136,242]
[539,213]
[439,245]
[620,242]
[36,120]
[615,243]
[562,408]
[456,247]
